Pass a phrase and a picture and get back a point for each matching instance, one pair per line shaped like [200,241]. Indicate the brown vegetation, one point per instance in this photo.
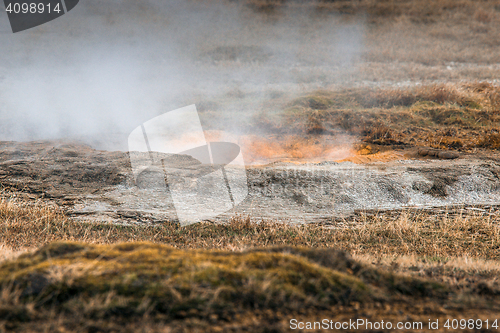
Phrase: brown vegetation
[418,9]
[408,260]
[60,275]
[445,116]
[27,226]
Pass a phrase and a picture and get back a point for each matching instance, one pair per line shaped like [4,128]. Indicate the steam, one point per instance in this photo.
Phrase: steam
[100,71]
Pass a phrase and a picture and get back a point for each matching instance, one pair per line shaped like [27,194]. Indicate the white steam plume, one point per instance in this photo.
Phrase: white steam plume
[107,66]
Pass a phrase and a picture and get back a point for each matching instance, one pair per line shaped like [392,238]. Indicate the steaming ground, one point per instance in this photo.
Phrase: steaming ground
[97,73]
[97,185]
[101,72]
[108,66]
[352,160]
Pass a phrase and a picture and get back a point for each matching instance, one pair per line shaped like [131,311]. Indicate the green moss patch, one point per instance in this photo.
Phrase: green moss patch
[135,279]
[173,281]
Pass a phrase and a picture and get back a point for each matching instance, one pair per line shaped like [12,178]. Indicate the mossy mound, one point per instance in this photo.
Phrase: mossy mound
[134,278]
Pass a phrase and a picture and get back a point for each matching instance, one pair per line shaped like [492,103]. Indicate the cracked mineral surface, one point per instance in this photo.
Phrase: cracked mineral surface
[98,185]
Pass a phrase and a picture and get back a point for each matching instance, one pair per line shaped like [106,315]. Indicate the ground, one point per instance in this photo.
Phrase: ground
[405,266]
[430,259]
[373,190]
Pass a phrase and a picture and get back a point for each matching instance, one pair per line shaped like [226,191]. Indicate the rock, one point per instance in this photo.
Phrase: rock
[423,151]
[448,155]
[421,186]
[442,154]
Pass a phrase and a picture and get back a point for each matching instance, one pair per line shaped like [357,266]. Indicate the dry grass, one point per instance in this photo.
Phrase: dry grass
[418,9]
[26,225]
[445,116]
[7,253]
[399,259]
[491,141]
[77,286]
[408,40]
[80,287]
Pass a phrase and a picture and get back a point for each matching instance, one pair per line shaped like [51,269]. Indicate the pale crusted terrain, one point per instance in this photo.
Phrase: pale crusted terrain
[98,185]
